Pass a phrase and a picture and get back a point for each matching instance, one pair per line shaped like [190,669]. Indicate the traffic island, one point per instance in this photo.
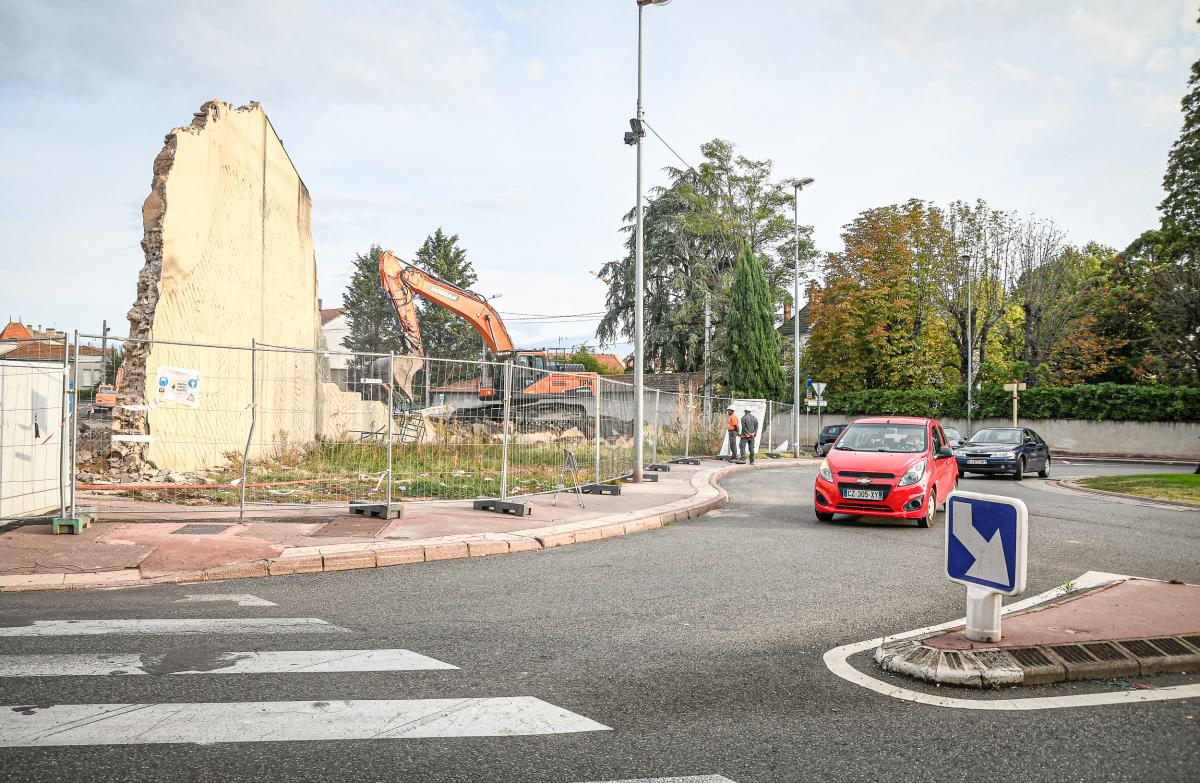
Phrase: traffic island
[1127,628]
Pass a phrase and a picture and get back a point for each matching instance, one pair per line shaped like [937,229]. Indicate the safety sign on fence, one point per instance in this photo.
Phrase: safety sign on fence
[178,385]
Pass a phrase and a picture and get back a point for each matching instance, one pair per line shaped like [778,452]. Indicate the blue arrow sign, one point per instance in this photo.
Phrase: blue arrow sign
[986,541]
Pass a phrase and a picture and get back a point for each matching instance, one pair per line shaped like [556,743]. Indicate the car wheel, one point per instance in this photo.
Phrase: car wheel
[1019,473]
[930,511]
[1045,472]
[824,516]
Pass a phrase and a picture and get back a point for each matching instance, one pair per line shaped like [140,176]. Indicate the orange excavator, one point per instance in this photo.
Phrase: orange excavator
[535,378]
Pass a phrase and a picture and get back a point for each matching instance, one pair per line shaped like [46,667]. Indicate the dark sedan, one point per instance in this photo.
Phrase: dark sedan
[1013,450]
[827,437]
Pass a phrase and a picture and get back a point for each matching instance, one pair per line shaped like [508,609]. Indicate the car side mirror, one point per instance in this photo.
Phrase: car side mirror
[945,451]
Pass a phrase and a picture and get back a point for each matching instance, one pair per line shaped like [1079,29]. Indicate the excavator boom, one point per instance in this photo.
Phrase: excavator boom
[401,281]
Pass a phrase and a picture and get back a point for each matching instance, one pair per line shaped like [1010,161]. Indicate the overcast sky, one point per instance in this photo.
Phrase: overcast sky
[501,121]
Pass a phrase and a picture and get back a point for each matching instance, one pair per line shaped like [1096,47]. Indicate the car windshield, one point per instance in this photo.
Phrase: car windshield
[901,438]
[952,433]
[988,437]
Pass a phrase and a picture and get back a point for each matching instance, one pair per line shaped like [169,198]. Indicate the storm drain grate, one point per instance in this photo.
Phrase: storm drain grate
[1193,640]
[1171,646]
[952,660]
[1072,653]
[1030,656]
[1142,648]
[1104,652]
[200,530]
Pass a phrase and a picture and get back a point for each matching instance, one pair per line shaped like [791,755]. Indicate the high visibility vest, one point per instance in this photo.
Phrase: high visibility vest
[733,422]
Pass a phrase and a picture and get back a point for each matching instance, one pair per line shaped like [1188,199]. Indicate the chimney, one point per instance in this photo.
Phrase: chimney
[318,303]
[787,313]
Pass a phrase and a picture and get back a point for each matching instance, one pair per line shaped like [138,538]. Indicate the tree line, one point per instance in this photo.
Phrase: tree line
[891,308]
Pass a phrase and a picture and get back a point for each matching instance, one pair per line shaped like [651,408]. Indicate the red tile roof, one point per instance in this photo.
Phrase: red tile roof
[610,361]
[15,331]
[330,313]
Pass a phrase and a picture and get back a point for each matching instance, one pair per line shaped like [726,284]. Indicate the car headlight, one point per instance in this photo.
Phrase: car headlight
[1008,454]
[914,474]
[824,471]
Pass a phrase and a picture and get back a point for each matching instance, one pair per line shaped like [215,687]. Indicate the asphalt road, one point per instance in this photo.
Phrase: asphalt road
[699,646]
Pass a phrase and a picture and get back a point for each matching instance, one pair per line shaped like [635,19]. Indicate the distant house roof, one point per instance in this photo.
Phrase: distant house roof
[786,328]
[43,350]
[15,330]
[329,314]
[665,381]
[610,361]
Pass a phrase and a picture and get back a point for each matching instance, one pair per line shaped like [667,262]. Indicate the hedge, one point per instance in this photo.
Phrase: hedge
[1096,402]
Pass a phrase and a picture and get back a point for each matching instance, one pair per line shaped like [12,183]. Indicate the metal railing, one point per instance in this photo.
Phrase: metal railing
[204,428]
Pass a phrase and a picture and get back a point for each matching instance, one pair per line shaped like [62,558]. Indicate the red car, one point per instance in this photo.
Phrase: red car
[889,466]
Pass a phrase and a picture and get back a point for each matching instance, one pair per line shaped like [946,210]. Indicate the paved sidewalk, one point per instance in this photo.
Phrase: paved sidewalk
[1118,627]
[120,553]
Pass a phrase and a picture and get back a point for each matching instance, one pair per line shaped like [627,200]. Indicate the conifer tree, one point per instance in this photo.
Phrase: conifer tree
[373,324]
[444,334]
[751,342]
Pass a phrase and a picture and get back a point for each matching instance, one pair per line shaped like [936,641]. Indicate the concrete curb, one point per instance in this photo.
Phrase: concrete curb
[1074,486]
[378,554]
[1041,664]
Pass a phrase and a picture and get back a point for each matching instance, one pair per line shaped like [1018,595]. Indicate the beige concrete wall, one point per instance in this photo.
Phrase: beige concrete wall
[229,258]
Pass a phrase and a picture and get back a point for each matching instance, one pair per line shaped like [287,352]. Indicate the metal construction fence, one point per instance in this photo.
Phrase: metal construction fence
[200,428]
[34,447]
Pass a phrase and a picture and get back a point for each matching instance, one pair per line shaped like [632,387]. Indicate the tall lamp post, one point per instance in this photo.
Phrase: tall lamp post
[635,138]
[970,348]
[798,185]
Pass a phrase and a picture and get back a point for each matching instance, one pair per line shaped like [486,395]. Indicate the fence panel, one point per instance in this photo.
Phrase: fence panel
[33,436]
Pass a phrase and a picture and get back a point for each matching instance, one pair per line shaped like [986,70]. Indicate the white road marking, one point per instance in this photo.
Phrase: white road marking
[241,599]
[284,721]
[275,662]
[158,627]
[692,779]
[836,661]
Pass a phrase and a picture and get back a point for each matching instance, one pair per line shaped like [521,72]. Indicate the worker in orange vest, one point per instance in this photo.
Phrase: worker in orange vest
[734,427]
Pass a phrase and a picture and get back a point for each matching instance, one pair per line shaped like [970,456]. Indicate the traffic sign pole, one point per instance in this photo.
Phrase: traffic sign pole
[987,538]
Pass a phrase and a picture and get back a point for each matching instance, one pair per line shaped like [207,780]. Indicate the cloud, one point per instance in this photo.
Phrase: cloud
[1154,108]
[1016,73]
[361,52]
[1123,32]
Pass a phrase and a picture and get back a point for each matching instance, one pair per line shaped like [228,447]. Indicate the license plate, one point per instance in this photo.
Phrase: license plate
[862,494]
[977,462]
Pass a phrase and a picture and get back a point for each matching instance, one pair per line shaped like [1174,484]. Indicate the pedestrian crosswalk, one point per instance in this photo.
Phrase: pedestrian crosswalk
[190,662]
[41,724]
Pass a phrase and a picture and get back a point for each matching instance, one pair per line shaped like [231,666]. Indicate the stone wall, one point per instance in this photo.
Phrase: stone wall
[229,258]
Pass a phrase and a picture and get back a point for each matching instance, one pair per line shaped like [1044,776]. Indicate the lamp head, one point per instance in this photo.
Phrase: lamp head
[802,183]
[653,2]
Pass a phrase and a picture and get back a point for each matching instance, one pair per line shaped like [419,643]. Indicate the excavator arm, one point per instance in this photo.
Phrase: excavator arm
[401,281]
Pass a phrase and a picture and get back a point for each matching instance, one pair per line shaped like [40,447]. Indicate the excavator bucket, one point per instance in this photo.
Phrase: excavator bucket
[404,370]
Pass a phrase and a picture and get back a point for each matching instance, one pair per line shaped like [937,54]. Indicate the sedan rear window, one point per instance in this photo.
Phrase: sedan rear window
[883,437]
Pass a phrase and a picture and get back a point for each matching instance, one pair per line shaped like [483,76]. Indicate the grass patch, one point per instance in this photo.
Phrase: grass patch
[1167,486]
[327,471]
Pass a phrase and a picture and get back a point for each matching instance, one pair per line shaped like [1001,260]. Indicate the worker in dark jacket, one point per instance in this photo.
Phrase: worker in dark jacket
[734,427]
[749,432]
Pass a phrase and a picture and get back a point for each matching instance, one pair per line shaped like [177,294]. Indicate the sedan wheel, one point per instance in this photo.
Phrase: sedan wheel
[930,511]
[1045,472]
[1020,471]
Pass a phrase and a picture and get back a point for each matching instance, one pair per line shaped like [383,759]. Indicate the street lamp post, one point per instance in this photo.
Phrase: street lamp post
[797,185]
[970,348]
[635,138]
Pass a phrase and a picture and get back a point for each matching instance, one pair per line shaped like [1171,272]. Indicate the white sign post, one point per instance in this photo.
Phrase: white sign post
[987,539]
[1015,387]
[819,388]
